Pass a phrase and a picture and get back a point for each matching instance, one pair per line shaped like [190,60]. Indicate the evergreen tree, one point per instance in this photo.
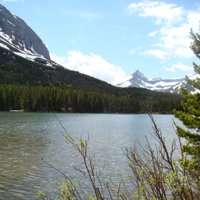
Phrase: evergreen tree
[190,116]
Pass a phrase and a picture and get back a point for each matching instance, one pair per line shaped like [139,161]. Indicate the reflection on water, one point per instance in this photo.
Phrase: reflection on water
[26,139]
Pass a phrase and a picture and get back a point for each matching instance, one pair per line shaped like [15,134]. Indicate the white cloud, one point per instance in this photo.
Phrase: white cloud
[161,11]
[179,66]
[59,59]
[174,24]
[152,34]
[92,65]
[156,52]
[176,41]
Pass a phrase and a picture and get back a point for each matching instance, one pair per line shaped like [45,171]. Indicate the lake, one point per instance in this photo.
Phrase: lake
[28,141]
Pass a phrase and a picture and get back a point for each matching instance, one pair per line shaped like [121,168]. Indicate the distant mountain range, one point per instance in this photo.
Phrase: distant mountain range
[25,63]
[26,60]
[138,80]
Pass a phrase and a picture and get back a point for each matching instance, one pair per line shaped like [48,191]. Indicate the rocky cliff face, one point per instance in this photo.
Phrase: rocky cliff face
[17,36]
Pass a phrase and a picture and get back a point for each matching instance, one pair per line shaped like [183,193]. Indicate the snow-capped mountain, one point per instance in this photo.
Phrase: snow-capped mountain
[138,80]
[184,84]
[18,37]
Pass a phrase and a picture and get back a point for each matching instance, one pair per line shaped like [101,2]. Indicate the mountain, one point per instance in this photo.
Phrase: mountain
[17,36]
[15,69]
[26,68]
[138,80]
[184,84]
[22,79]
[25,59]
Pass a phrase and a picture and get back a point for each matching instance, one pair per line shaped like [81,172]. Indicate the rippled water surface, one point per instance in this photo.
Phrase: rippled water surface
[28,141]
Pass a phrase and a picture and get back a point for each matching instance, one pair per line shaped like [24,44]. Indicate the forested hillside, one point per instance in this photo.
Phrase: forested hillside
[17,70]
[34,86]
[67,99]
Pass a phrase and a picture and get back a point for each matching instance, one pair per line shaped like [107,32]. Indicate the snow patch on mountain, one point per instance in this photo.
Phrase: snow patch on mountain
[184,84]
[18,37]
[138,80]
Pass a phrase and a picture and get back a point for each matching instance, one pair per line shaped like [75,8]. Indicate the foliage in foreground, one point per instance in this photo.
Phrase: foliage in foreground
[190,116]
[156,174]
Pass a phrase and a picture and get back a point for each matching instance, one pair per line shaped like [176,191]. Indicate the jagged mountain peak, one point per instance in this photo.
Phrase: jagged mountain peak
[137,74]
[138,79]
[18,37]
[133,80]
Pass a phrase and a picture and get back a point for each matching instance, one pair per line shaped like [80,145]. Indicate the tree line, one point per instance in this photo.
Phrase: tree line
[70,99]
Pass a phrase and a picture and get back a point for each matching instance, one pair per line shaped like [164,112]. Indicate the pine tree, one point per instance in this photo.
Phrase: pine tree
[190,116]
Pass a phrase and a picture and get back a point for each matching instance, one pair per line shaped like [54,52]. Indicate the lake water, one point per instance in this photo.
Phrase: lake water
[30,140]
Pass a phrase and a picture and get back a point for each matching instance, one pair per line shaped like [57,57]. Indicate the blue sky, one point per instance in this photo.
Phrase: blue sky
[111,39]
